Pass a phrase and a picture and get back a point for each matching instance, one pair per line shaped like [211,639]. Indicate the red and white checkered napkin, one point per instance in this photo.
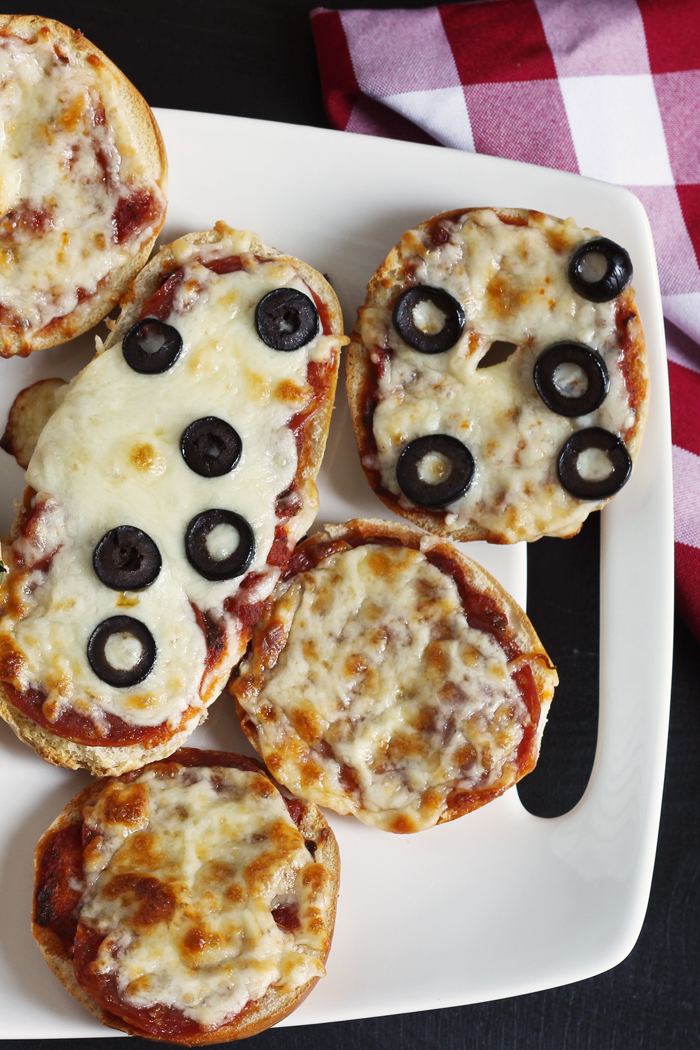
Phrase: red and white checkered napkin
[609,90]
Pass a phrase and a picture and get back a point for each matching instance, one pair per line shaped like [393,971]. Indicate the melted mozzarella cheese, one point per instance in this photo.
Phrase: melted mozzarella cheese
[110,455]
[382,676]
[182,874]
[67,157]
[512,282]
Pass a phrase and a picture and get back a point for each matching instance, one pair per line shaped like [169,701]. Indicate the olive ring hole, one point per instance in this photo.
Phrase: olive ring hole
[571,379]
[121,651]
[428,319]
[434,470]
[600,270]
[594,464]
[219,544]
[151,346]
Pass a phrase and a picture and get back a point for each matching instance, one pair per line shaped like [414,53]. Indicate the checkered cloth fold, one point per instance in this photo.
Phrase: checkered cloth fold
[605,89]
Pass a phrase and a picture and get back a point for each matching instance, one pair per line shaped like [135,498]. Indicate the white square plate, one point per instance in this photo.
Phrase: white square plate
[499,902]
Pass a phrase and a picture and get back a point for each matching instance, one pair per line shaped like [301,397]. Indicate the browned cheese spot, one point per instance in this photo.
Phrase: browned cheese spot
[403,745]
[285,841]
[310,773]
[235,893]
[402,825]
[11,661]
[155,902]
[465,757]
[503,297]
[355,664]
[138,852]
[436,659]
[308,647]
[125,803]
[290,392]
[386,565]
[198,939]
[71,116]
[306,722]
[144,457]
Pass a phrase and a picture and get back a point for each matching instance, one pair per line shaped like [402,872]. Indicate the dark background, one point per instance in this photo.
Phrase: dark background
[256,58]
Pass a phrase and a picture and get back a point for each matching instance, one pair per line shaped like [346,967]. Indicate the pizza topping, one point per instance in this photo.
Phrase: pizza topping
[372,694]
[434,470]
[600,270]
[286,319]
[126,559]
[76,200]
[121,651]
[210,447]
[428,319]
[151,346]
[594,464]
[219,544]
[572,380]
[200,896]
[512,281]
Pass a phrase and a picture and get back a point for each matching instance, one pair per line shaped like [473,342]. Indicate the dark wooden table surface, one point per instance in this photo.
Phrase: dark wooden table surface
[256,58]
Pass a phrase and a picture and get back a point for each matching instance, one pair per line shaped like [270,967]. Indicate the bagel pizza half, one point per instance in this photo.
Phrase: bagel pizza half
[82,194]
[166,493]
[393,678]
[497,375]
[189,901]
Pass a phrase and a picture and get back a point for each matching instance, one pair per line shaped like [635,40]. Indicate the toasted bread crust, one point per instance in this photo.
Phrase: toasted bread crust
[148,144]
[255,1017]
[361,385]
[261,659]
[101,760]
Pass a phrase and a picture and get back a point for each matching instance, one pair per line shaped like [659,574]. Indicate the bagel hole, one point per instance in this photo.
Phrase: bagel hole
[497,353]
[222,541]
[570,379]
[593,267]
[593,464]
[150,338]
[428,317]
[123,651]
[434,468]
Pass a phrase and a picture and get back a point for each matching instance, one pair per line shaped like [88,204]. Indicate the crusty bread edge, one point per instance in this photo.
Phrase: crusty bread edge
[137,114]
[357,378]
[267,1011]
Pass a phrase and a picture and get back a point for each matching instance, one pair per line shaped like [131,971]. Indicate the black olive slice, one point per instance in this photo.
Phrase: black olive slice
[411,333]
[150,346]
[199,556]
[426,493]
[126,559]
[586,488]
[210,447]
[599,270]
[286,319]
[551,391]
[97,651]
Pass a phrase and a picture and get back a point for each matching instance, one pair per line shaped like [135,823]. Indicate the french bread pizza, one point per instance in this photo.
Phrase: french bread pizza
[189,901]
[166,493]
[393,678]
[82,194]
[497,375]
